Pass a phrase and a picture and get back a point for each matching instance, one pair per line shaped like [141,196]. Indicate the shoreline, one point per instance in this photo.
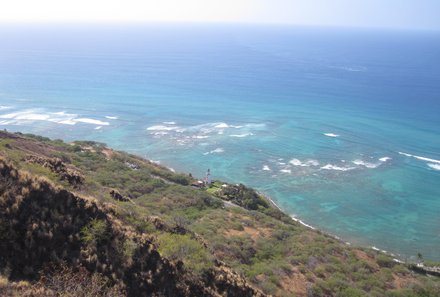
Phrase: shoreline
[396,258]
[270,200]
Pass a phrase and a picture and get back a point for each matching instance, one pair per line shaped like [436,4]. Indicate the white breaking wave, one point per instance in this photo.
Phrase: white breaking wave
[286,171]
[61,117]
[421,158]
[434,166]
[266,168]
[164,128]
[384,159]
[427,159]
[218,128]
[208,128]
[218,150]
[366,164]
[160,133]
[242,135]
[296,162]
[405,154]
[302,223]
[331,134]
[200,136]
[335,167]
[312,163]
[111,117]
[97,128]
[221,125]
[92,121]
[379,250]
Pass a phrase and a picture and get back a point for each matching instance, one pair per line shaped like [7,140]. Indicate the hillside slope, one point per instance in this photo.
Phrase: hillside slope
[132,227]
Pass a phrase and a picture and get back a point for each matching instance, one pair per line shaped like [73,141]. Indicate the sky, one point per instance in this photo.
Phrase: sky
[398,14]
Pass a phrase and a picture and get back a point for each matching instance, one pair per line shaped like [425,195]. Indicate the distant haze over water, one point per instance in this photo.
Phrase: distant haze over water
[339,127]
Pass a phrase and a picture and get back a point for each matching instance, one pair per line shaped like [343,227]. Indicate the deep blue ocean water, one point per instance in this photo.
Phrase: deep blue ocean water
[341,128]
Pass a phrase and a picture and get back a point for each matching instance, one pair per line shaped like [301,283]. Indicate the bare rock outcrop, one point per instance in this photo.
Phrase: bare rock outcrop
[118,196]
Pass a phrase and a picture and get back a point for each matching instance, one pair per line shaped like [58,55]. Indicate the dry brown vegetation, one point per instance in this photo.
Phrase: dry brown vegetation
[44,224]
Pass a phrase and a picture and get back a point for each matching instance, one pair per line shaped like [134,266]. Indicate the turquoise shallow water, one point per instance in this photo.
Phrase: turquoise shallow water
[339,127]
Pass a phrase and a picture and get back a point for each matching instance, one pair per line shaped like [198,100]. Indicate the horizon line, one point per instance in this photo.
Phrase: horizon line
[224,23]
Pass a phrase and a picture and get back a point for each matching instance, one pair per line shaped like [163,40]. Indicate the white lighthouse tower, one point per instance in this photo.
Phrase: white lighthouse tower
[208,177]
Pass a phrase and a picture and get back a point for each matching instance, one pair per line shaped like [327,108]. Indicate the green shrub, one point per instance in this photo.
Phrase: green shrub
[129,248]
[385,261]
[352,292]
[95,232]
[6,143]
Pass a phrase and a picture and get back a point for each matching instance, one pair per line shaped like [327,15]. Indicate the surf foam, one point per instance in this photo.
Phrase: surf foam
[434,166]
[297,162]
[218,150]
[92,121]
[221,125]
[384,159]
[335,167]
[242,135]
[366,164]
[61,117]
[163,128]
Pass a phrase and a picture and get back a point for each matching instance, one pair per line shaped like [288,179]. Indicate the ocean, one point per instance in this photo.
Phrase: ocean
[340,127]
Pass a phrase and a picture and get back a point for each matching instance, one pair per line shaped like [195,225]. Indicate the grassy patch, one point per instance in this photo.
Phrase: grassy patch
[183,248]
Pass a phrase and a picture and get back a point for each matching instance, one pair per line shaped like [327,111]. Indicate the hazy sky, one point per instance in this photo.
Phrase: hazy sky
[416,14]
